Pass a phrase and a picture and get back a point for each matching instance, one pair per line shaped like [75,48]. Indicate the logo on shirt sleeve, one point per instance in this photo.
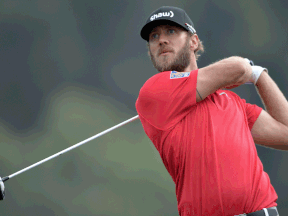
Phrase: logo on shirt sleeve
[176,75]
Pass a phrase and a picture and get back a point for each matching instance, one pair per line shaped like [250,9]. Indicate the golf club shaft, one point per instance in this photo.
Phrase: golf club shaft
[70,148]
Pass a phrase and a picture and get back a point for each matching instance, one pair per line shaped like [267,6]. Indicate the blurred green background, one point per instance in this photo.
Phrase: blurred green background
[71,69]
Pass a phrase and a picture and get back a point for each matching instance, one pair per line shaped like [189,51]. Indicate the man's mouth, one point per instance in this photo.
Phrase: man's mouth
[165,52]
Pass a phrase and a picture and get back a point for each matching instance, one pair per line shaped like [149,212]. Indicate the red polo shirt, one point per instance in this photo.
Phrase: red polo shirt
[207,147]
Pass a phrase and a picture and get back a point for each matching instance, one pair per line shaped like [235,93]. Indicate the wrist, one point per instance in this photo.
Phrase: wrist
[256,73]
[262,78]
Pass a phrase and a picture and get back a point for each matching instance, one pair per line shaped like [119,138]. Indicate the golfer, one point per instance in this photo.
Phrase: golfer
[206,135]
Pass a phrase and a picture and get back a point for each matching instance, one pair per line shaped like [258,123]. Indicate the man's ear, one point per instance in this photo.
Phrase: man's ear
[194,41]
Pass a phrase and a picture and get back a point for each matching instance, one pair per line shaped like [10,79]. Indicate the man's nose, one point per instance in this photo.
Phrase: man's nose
[163,39]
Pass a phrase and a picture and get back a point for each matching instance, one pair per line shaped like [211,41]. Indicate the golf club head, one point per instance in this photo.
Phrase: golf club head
[2,190]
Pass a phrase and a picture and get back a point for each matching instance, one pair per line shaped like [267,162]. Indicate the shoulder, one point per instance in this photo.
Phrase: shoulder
[174,76]
[158,76]
[169,82]
[155,81]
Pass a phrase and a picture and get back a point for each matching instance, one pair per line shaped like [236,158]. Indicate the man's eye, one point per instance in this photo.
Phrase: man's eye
[153,36]
[171,31]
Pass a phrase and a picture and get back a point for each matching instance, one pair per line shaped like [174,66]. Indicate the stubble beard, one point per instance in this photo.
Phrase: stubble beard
[179,63]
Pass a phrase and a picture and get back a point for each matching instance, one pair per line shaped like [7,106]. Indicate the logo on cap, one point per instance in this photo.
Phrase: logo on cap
[163,14]
[190,28]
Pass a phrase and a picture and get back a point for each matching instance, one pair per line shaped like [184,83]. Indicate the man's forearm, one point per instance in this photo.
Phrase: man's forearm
[273,99]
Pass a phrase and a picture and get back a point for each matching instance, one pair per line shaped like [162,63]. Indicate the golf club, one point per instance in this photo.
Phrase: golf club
[2,180]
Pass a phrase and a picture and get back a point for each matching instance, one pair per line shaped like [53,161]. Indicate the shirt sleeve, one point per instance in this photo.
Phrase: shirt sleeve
[167,97]
[252,111]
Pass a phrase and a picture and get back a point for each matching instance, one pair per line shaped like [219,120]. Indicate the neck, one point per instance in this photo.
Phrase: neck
[192,66]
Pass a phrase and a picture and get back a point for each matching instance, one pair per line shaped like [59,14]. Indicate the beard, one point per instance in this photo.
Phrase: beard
[179,63]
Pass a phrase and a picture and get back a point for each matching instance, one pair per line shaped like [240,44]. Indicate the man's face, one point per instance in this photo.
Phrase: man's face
[169,48]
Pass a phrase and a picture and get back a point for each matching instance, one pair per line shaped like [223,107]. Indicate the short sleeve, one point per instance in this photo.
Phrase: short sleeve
[252,111]
[167,97]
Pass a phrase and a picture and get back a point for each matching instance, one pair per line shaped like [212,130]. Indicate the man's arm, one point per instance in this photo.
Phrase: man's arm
[271,127]
[230,72]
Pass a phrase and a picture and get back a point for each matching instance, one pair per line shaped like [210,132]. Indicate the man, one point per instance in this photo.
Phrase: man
[205,135]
